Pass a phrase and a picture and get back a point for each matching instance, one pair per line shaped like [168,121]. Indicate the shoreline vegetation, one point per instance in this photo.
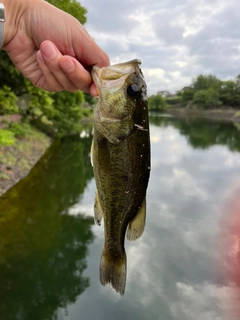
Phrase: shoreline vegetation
[18,159]
[204,93]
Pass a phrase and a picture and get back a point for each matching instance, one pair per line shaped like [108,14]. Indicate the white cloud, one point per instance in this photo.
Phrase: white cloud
[196,301]
[177,39]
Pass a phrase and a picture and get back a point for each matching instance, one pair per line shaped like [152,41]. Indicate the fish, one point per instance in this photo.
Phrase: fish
[120,156]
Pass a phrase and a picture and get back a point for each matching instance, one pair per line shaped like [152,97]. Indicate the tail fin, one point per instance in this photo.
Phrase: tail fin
[113,271]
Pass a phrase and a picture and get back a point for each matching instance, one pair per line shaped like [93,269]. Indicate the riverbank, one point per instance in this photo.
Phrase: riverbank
[228,115]
[17,160]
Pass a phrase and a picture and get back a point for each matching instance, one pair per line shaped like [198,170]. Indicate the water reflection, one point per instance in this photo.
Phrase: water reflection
[195,172]
[43,249]
[49,254]
[202,133]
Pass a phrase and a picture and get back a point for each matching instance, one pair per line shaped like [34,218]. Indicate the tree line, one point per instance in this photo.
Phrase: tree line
[205,92]
[60,112]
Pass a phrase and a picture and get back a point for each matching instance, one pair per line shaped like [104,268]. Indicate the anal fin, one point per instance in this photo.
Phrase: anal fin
[136,226]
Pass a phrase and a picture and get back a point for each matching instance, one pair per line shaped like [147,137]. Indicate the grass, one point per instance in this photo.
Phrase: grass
[237,114]
[4,176]
[24,152]
[7,158]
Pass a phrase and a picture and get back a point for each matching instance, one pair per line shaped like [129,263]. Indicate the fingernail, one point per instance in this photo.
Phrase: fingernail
[49,50]
[39,56]
[68,65]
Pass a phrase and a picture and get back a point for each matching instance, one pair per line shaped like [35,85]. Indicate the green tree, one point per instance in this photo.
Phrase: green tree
[8,101]
[230,92]
[236,95]
[156,102]
[227,91]
[237,81]
[73,7]
[204,82]
[208,98]
[10,76]
[187,95]
[67,111]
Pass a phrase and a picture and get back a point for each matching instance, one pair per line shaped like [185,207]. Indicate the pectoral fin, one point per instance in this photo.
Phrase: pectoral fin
[98,214]
[91,154]
[136,226]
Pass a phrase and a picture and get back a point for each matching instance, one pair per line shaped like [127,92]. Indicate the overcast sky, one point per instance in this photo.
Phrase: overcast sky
[175,39]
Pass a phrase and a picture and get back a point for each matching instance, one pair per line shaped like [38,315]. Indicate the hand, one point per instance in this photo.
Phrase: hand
[50,47]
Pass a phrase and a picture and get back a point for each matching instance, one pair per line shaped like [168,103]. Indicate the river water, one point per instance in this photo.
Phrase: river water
[50,248]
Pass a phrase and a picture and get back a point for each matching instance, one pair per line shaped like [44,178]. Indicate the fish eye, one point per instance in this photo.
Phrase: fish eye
[132,90]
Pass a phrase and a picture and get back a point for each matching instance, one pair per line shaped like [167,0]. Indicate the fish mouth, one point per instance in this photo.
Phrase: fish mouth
[113,77]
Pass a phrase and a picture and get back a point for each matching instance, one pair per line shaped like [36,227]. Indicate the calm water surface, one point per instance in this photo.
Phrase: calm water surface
[50,249]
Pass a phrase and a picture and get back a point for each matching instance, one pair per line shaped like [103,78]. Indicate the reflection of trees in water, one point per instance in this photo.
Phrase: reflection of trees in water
[42,248]
[160,120]
[203,133]
[34,285]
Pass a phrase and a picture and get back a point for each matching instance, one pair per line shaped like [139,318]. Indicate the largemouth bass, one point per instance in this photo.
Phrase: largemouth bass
[120,156]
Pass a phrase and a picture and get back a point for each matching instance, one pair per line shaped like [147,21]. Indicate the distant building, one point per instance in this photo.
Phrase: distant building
[166,94]
[185,88]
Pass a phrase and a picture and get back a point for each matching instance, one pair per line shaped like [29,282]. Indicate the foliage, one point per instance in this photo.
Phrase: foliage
[226,92]
[38,99]
[66,112]
[8,101]
[89,99]
[210,92]
[206,98]
[204,82]
[187,95]
[15,130]
[19,129]
[73,7]
[6,138]
[10,76]
[173,101]
[230,92]
[156,102]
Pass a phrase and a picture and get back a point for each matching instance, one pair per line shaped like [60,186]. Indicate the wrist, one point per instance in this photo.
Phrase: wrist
[13,13]
[2,21]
